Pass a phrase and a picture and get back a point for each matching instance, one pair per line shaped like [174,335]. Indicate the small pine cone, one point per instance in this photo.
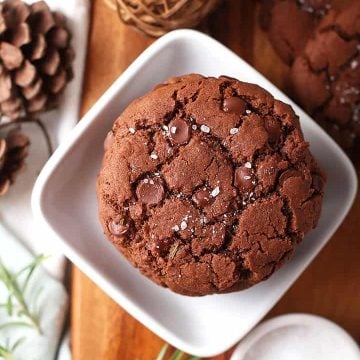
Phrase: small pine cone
[35,58]
[13,151]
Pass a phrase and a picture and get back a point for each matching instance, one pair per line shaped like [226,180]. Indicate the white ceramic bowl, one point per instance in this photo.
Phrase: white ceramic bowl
[64,202]
[297,336]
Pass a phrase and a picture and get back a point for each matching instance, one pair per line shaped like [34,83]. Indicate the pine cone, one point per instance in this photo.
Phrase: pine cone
[35,58]
[13,151]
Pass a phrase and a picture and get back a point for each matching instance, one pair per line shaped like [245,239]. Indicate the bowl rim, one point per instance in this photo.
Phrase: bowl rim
[293,319]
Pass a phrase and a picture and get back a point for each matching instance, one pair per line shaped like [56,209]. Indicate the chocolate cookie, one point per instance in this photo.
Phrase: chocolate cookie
[290,23]
[326,77]
[207,184]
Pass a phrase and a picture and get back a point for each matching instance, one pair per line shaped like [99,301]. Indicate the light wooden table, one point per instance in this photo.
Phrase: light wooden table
[330,287]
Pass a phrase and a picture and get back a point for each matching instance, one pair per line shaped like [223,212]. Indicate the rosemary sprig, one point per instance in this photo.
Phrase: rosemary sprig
[174,250]
[16,294]
[176,355]
[7,351]
[162,353]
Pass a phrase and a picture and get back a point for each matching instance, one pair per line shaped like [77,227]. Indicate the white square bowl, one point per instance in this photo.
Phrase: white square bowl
[64,202]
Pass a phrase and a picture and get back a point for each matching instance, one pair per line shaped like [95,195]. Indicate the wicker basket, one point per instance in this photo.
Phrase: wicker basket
[156,17]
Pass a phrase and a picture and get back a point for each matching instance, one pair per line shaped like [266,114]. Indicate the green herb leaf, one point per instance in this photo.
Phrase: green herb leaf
[9,306]
[16,292]
[176,355]
[30,269]
[162,352]
[17,344]
[6,351]
[174,251]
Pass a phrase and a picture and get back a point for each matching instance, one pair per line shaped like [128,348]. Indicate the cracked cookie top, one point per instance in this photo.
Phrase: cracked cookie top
[326,76]
[207,184]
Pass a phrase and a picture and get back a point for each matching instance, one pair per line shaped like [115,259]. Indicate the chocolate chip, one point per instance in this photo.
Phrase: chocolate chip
[108,140]
[273,128]
[118,228]
[291,173]
[150,191]
[244,178]
[179,131]
[203,198]
[234,105]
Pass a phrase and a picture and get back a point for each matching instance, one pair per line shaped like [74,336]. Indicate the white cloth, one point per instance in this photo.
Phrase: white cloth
[64,351]
[51,305]
[15,209]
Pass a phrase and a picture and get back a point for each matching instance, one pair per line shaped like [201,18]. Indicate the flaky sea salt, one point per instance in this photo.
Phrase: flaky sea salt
[354,64]
[205,129]
[165,127]
[234,131]
[173,129]
[132,130]
[154,156]
[176,228]
[194,127]
[248,111]
[215,192]
[183,225]
[248,165]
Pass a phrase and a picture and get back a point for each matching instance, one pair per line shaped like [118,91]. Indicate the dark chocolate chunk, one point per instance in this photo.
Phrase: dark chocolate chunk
[118,228]
[288,174]
[234,105]
[150,191]
[244,178]
[203,197]
[179,131]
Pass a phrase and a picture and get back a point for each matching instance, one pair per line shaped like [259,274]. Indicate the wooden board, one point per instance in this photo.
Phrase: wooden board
[330,287]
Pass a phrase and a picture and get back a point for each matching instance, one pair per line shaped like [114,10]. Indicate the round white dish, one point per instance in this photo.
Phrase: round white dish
[297,337]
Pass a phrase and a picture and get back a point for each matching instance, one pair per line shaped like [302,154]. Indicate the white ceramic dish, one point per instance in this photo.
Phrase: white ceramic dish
[64,202]
[297,336]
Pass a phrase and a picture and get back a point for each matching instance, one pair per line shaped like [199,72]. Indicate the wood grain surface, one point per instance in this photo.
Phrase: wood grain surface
[330,287]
